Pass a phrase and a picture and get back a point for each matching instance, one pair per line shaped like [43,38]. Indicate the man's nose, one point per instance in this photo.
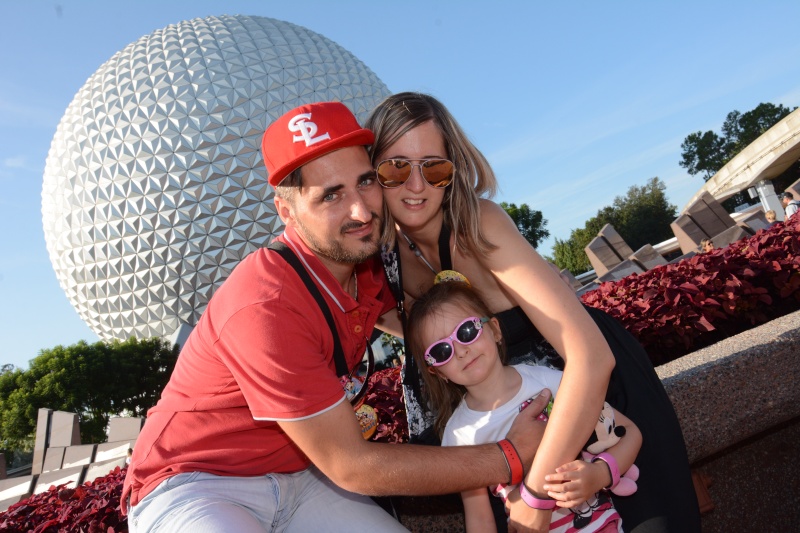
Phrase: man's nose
[359,210]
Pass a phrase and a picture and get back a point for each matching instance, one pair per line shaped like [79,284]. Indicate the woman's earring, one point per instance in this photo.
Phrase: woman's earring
[444,378]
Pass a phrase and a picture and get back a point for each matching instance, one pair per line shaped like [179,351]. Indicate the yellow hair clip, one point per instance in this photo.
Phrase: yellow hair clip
[446,276]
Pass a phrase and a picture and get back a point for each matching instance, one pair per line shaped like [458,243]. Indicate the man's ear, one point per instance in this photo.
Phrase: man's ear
[285,210]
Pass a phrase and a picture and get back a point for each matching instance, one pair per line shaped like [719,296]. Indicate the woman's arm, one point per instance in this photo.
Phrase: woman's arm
[562,320]
[478,516]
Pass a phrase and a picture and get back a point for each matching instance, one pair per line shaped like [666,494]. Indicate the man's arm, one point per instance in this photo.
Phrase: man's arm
[332,441]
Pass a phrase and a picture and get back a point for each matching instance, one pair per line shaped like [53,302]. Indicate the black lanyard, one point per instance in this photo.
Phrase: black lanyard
[338,353]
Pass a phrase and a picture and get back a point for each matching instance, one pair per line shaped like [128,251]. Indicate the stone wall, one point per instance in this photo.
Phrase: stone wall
[739,406]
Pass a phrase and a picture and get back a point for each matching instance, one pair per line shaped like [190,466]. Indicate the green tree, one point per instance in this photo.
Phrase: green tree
[705,153]
[530,222]
[570,253]
[96,381]
[641,217]
[741,129]
[644,214]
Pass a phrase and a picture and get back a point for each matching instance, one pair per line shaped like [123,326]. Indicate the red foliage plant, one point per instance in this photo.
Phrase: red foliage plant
[91,508]
[678,308]
[385,396]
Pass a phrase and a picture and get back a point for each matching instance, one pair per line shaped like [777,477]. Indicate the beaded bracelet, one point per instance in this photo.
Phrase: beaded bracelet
[513,461]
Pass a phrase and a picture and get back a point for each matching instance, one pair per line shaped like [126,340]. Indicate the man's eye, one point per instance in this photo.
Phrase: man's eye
[367,181]
[329,197]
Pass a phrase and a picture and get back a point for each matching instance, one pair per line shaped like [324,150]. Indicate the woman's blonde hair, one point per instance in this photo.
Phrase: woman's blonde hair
[473,178]
[443,396]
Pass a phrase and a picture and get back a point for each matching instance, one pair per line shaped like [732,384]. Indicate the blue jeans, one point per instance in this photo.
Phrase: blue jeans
[198,502]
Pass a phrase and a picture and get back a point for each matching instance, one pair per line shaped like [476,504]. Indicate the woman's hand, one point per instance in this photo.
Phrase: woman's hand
[576,482]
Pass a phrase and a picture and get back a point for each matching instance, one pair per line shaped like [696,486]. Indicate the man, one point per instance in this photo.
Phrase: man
[252,432]
[790,205]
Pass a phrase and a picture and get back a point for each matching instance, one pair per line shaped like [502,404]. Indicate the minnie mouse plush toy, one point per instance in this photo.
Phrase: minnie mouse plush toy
[606,434]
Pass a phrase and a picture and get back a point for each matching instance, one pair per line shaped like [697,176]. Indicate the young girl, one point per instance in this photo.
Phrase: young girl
[476,397]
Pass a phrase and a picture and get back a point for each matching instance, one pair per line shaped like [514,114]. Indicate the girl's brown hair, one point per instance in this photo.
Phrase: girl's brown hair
[473,179]
[443,396]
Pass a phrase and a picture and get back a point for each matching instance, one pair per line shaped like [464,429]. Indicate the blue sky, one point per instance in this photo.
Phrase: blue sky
[572,102]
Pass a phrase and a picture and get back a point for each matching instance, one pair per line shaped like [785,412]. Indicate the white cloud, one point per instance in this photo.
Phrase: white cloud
[14,162]
[15,165]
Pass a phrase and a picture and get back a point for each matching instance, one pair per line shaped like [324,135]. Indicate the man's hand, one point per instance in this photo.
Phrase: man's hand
[524,519]
[526,431]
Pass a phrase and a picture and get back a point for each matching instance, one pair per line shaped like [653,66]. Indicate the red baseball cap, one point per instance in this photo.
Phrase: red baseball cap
[306,133]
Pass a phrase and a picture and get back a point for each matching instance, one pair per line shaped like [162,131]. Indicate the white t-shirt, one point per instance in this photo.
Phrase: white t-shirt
[467,427]
[791,208]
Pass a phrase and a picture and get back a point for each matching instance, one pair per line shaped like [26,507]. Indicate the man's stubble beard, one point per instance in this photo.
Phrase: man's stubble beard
[335,251]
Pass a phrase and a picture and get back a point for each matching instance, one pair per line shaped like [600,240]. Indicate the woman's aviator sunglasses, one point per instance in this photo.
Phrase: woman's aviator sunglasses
[438,173]
[467,332]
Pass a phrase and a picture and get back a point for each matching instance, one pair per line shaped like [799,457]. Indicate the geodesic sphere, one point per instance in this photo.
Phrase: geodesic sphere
[154,187]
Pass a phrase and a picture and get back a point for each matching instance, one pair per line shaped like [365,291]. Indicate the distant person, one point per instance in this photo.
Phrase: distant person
[128,458]
[771,216]
[790,205]
[706,245]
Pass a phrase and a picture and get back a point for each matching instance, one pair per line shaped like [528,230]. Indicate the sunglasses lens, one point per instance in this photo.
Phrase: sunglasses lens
[438,172]
[468,332]
[393,172]
[441,351]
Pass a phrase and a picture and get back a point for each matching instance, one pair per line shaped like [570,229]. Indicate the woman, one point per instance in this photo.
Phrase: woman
[434,180]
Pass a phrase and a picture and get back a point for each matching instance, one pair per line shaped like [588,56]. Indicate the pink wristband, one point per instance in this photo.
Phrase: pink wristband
[613,467]
[534,502]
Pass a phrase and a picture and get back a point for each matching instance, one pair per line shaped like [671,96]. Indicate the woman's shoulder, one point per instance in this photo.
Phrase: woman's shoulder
[490,208]
[494,218]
